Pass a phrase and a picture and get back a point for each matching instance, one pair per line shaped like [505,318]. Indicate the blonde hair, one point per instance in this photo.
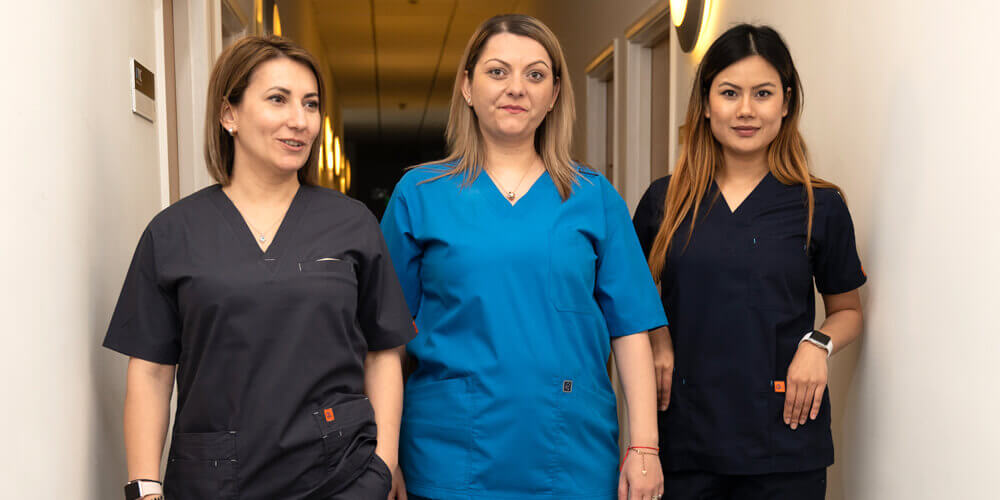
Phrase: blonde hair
[230,78]
[554,135]
[701,155]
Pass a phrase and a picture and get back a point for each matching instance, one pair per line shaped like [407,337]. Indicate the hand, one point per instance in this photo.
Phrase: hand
[398,491]
[663,363]
[805,383]
[633,484]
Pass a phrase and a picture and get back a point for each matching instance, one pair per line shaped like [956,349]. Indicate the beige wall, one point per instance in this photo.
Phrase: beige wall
[81,180]
[899,112]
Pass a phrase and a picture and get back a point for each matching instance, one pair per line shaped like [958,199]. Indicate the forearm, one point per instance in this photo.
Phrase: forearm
[384,387]
[634,359]
[147,416]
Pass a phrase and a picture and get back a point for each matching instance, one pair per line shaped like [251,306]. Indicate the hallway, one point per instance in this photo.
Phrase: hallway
[899,113]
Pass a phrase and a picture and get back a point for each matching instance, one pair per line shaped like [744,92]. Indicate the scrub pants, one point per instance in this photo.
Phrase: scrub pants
[807,485]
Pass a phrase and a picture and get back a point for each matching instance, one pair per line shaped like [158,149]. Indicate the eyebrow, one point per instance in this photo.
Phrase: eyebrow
[767,84]
[505,63]
[283,90]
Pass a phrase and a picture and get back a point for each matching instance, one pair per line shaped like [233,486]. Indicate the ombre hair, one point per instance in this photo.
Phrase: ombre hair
[701,154]
[229,80]
[553,137]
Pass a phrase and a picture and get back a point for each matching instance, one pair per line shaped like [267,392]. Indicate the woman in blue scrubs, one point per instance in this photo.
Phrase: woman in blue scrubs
[273,302]
[523,272]
[736,237]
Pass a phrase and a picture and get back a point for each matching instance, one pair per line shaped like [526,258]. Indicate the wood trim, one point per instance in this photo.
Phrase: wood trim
[170,94]
[652,26]
[600,64]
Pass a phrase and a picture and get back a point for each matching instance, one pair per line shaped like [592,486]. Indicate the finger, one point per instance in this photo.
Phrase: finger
[800,396]
[817,402]
[789,401]
[622,484]
[807,403]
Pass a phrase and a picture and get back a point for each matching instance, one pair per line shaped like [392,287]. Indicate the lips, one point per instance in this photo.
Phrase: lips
[292,143]
[513,109]
[746,131]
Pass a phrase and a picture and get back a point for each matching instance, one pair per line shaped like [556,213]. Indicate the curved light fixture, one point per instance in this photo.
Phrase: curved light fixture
[337,157]
[677,8]
[692,15]
[276,21]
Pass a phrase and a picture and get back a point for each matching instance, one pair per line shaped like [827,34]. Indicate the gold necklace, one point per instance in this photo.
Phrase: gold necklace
[510,195]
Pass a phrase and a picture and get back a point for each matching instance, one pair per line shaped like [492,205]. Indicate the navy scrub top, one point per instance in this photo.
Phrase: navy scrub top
[516,308]
[740,298]
[269,346]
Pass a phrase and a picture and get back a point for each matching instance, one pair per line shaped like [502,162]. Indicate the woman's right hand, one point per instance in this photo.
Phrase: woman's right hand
[398,491]
[663,363]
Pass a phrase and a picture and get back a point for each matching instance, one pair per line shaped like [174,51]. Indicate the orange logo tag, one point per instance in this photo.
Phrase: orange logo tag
[328,413]
[779,386]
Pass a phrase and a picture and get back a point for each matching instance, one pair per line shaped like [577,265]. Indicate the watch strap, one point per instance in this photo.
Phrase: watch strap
[139,488]
[827,346]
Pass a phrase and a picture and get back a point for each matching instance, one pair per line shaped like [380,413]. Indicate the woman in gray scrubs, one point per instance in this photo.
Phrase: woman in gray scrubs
[275,303]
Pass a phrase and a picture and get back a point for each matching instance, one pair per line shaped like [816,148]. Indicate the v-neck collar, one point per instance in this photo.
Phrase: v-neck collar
[246,239]
[497,197]
[747,204]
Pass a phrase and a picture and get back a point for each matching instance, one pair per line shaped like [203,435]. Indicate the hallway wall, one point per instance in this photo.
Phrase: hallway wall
[81,180]
[899,113]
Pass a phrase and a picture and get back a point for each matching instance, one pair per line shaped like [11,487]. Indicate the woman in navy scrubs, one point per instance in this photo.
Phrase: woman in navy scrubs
[736,238]
[523,272]
[277,304]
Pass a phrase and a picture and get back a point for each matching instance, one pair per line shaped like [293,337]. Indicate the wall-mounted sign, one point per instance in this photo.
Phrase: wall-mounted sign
[143,91]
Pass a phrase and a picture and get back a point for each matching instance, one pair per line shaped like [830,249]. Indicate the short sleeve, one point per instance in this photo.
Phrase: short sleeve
[145,323]
[624,285]
[836,264]
[382,313]
[403,247]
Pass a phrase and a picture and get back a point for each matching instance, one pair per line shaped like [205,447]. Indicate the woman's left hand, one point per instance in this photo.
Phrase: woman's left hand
[398,491]
[633,484]
[805,384]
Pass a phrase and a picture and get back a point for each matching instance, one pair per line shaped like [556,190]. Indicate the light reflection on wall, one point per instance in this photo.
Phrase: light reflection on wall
[334,168]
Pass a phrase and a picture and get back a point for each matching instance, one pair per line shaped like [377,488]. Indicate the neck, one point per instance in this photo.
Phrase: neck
[743,168]
[514,154]
[261,186]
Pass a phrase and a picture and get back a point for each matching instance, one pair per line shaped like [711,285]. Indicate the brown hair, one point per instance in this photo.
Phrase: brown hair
[554,135]
[229,80]
[701,154]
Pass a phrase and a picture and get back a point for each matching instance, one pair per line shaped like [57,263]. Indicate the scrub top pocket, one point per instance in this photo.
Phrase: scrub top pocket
[573,271]
[437,433]
[348,433]
[202,466]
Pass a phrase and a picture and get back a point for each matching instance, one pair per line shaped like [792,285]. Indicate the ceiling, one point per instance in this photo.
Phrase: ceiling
[394,61]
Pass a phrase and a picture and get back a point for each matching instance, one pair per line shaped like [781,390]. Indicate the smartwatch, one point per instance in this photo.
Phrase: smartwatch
[134,490]
[820,339]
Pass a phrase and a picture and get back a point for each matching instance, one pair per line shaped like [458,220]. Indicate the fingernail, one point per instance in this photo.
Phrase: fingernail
[794,425]
[787,421]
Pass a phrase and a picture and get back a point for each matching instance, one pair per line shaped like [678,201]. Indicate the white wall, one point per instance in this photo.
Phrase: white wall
[900,112]
[81,180]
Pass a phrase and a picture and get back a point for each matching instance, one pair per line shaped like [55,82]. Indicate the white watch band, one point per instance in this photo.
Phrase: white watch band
[149,488]
[826,347]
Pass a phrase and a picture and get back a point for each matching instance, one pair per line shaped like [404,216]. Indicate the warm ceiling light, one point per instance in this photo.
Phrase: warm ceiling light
[321,155]
[677,8]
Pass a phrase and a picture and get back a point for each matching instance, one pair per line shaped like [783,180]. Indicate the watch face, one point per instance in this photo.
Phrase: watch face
[820,337]
[131,491]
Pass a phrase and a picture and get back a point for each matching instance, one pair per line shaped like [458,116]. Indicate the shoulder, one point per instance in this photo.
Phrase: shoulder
[829,201]
[422,175]
[657,190]
[192,206]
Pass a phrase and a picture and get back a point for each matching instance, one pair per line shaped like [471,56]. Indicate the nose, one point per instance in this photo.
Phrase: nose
[296,118]
[746,108]
[516,87]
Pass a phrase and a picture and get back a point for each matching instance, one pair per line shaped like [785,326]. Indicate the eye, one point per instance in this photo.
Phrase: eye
[496,72]
[728,93]
[764,93]
[314,105]
[277,98]
[536,75]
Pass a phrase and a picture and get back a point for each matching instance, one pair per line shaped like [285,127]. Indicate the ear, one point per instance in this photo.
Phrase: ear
[227,116]
[784,106]
[708,112]
[466,87]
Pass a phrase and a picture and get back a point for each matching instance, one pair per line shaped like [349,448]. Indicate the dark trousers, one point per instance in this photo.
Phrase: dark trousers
[809,485]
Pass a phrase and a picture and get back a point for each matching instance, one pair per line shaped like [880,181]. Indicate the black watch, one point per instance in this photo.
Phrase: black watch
[134,490]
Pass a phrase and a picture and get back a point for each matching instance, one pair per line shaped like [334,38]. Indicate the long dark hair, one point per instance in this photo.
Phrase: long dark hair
[701,155]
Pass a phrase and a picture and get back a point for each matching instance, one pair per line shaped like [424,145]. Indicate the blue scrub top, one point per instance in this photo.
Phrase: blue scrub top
[516,307]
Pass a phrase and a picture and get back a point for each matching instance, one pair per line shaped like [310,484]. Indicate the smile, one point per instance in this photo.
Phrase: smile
[292,143]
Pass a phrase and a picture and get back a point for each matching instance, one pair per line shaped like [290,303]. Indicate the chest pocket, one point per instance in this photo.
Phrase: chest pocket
[572,271]
[783,269]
